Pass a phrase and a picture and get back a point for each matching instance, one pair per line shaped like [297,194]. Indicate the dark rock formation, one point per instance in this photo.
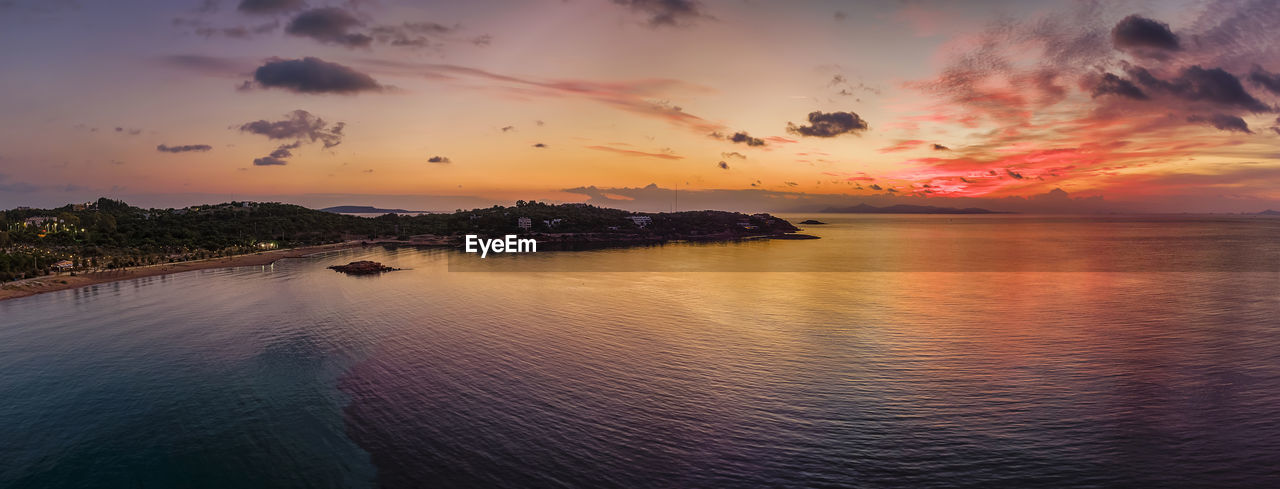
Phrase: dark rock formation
[363,267]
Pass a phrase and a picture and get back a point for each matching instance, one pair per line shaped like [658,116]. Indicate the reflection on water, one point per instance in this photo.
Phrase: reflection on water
[296,376]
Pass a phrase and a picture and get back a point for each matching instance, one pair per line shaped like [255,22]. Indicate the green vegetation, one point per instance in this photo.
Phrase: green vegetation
[110,234]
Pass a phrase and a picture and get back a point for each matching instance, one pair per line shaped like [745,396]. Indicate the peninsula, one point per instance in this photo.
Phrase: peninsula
[107,240]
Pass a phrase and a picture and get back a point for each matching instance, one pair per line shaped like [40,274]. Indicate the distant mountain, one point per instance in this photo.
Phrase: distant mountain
[907,209]
[1269,212]
[362,209]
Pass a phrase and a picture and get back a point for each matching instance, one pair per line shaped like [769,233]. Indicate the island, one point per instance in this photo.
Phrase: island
[811,221]
[906,209]
[365,209]
[363,267]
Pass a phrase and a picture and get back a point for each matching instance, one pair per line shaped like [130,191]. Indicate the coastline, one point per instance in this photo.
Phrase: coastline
[53,283]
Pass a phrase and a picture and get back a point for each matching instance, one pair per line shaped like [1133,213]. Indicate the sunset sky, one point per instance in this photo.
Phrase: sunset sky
[746,104]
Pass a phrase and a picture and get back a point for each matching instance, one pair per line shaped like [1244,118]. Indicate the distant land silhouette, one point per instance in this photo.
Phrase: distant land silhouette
[907,209]
[1269,212]
[364,209]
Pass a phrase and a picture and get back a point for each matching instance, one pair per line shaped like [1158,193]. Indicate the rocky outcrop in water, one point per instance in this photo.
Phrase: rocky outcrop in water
[363,267]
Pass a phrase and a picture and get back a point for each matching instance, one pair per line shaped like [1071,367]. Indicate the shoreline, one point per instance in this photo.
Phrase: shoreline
[53,283]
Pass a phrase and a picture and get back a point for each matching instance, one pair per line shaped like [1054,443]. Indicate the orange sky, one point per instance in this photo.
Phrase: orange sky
[1164,105]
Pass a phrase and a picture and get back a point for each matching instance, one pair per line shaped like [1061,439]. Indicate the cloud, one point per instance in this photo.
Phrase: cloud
[901,146]
[828,125]
[299,125]
[666,12]
[329,25]
[740,137]
[1265,79]
[186,148]
[269,161]
[875,186]
[540,145]
[1110,84]
[733,154]
[131,132]
[939,147]
[1222,122]
[645,97]
[439,159]
[313,75]
[269,7]
[508,128]
[418,34]
[644,154]
[1137,34]
[1196,84]
[723,165]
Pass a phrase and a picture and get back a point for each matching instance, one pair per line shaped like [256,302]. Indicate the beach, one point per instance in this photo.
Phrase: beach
[64,281]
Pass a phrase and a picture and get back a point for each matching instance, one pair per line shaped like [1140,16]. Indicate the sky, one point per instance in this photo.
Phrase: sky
[1034,106]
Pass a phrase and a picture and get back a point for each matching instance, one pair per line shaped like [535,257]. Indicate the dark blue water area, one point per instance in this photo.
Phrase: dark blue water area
[293,376]
[189,380]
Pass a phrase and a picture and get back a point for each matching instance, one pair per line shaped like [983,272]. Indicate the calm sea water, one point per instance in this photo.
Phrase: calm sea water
[964,351]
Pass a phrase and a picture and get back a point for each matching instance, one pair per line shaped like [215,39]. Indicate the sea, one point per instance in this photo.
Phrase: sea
[895,351]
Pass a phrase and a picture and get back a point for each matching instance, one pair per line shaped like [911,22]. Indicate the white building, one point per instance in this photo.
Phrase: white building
[524,223]
[641,221]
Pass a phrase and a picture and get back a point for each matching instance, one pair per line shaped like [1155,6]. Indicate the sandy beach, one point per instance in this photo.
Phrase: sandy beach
[51,283]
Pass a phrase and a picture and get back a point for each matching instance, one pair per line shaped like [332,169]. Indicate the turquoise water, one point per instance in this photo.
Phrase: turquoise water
[1025,375]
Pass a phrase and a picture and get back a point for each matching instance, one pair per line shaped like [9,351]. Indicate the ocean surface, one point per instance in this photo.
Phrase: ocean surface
[897,351]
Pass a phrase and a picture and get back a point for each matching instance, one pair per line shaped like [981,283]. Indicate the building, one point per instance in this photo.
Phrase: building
[40,220]
[524,223]
[641,221]
[64,265]
[552,223]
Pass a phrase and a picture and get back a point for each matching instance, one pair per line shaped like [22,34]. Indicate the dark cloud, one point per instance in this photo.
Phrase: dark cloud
[875,186]
[131,132]
[329,25]
[1196,84]
[666,12]
[313,75]
[508,128]
[743,137]
[412,34]
[439,159]
[1142,33]
[540,145]
[184,148]
[1265,79]
[266,7]
[939,147]
[1222,122]
[269,161]
[1111,84]
[299,125]
[1014,174]
[723,165]
[827,125]
[733,154]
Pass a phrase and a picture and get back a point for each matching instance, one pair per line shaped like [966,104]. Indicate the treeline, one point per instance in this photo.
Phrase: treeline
[112,234]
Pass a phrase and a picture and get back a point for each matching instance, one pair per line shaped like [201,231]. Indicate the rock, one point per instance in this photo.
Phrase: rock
[363,267]
[793,236]
[811,221]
